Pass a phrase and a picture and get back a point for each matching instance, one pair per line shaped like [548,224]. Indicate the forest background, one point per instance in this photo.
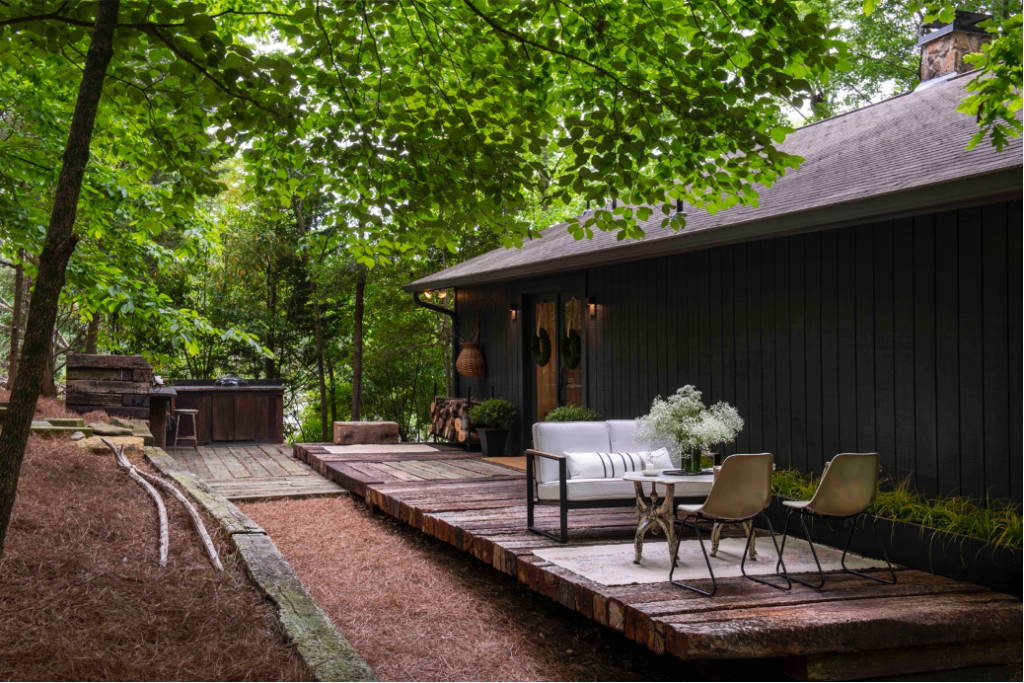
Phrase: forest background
[271,286]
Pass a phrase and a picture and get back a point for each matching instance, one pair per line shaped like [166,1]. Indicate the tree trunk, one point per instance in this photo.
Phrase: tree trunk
[49,386]
[357,346]
[325,431]
[92,333]
[334,392]
[57,250]
[16,313]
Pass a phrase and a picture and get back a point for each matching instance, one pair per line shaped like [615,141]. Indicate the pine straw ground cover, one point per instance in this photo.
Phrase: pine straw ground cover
[83,598]
[417,609]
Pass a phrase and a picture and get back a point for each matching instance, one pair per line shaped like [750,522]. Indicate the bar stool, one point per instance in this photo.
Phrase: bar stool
[180,414]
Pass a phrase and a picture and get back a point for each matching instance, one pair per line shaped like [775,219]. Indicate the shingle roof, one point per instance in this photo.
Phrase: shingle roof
[905,153]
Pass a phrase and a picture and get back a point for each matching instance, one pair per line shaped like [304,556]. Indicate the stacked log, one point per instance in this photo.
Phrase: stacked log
[118,385]
[449,419]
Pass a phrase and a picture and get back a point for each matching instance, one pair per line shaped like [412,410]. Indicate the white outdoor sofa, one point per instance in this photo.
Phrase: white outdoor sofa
[549,481]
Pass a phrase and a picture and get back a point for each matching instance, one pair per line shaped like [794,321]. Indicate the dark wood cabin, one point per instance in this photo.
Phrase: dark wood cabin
[872,302]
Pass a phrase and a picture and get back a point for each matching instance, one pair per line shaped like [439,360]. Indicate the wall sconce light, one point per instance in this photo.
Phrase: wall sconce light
[514,310]
[592,306]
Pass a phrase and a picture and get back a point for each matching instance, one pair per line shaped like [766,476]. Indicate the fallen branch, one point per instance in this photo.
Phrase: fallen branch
[196,519]
[161,509]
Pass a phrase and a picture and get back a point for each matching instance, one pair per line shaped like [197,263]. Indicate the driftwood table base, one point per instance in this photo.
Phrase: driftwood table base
[654,517]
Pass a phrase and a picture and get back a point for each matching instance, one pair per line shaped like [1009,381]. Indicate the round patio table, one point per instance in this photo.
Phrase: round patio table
[656,515]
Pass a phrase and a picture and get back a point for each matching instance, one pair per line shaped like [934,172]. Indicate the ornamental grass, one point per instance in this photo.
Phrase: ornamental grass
[997,522]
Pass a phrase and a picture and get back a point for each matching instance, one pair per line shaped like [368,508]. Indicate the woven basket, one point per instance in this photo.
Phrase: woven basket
[470,362]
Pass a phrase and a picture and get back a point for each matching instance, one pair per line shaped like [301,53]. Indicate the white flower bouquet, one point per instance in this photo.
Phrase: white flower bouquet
[684,425]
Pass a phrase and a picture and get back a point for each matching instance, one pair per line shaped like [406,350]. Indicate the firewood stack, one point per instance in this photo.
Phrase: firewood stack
[449,419]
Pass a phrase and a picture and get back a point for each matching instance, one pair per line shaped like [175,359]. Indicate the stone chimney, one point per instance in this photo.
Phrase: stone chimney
[943,46]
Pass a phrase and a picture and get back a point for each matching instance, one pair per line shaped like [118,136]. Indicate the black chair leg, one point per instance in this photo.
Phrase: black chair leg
[707,561]
[814,554]
[785,535]
[885,556]
[765,582]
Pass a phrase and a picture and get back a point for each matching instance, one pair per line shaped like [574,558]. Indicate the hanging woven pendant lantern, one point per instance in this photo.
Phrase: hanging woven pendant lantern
[470,362]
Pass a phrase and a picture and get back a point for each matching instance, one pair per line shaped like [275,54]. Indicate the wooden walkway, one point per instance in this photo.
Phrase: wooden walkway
[254,471]
[855,628]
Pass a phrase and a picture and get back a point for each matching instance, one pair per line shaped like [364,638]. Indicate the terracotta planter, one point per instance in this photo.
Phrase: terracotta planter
[492,441]
[919,547]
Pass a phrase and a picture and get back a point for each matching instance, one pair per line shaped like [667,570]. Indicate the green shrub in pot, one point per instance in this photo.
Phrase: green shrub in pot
[494,413]
[572,414]
[492,419]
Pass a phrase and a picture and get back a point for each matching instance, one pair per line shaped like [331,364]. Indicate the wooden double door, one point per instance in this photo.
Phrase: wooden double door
[557,379]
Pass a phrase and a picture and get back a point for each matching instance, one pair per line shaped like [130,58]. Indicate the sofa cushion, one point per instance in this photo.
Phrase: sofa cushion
[617,489]
[620,432]
[613,465]
[561,437]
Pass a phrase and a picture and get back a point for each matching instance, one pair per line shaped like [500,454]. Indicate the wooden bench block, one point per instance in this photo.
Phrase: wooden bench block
[347,433]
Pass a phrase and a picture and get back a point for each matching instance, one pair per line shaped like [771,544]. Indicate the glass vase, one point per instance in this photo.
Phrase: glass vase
[691,462]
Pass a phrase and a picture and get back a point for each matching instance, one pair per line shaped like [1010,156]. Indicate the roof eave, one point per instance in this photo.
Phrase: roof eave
[970,189]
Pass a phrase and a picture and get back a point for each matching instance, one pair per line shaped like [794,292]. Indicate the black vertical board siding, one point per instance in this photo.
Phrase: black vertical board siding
[846,307]
[766,297]
[692,320]
[797,353]
[704,322]
[1013,374]
[783,408]
[924,351]
[620,352]
[630,343]
[755,262]
[672,339]
[640,337]
[947,354]
[829,345]
[816,455]
[660,368]
[592,344]
[994,291]
[902,337]
[865,339]
[903,348]
[743,443]
[605,284]
[633,340]
[729,332]
[972,365]
[715,324]
[885,400]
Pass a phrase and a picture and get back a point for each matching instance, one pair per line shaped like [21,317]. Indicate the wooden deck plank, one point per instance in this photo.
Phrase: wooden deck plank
[485,516]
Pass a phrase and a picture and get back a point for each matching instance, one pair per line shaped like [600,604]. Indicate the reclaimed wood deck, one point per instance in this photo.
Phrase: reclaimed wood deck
[254,471]
[854,628]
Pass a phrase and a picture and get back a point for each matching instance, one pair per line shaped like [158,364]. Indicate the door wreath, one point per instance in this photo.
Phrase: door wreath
[571,346]
[572,350]
[540,347]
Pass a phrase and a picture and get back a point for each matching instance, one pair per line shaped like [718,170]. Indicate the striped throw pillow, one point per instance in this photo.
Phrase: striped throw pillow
[612,465]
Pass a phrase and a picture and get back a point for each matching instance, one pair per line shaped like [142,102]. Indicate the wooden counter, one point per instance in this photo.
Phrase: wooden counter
[253,413]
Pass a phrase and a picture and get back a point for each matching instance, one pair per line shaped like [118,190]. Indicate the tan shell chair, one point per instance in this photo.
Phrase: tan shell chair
[741,492]
[848,486]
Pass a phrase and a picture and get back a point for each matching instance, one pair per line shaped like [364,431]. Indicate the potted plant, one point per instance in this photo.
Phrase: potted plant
[572,414]
[492,419]
[684,425]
